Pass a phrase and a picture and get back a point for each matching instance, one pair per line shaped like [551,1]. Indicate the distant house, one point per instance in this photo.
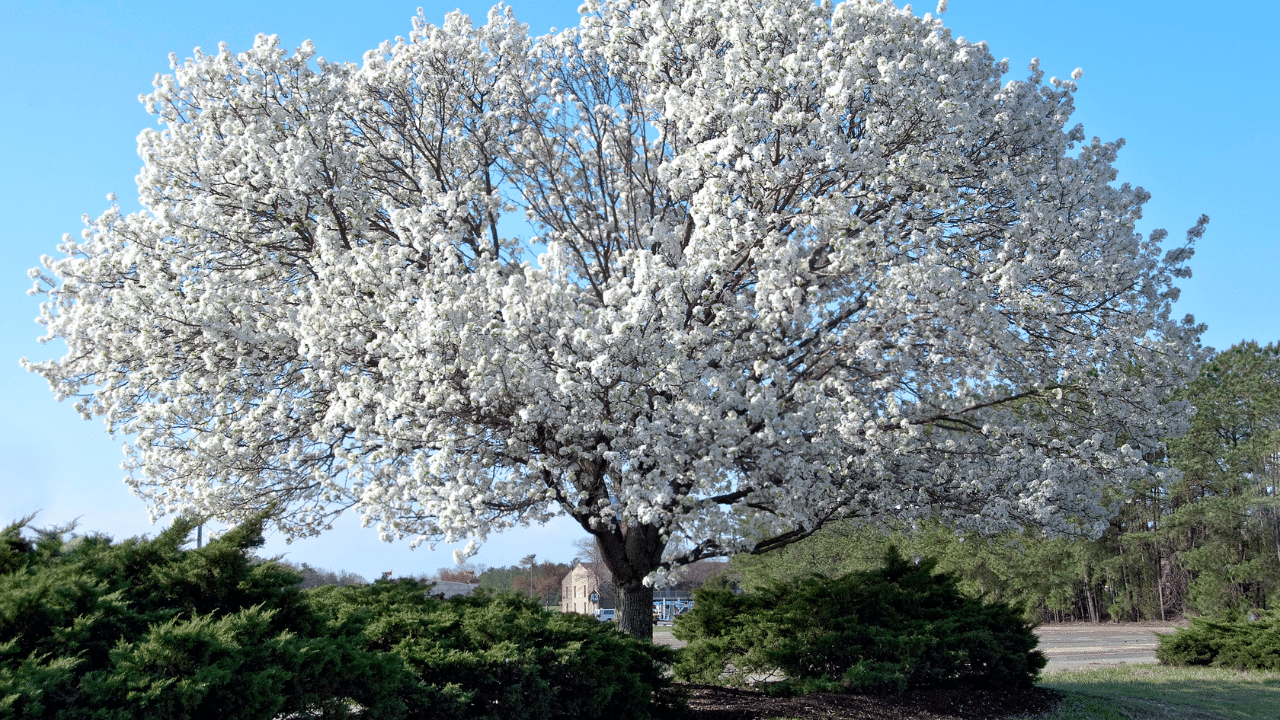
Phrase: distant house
[586,577]
[577,587]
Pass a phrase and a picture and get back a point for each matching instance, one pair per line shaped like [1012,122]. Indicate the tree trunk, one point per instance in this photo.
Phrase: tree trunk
[1160,582]
[634,612]
[631,552]
[1128,590]
[1277,536]
[1088,595]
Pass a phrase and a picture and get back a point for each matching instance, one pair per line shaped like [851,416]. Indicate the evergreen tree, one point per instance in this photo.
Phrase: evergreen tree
[1225,520]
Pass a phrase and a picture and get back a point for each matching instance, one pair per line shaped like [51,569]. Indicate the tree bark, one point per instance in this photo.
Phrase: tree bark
[1088,595]
[1160,581]
[632,551]
[634,613]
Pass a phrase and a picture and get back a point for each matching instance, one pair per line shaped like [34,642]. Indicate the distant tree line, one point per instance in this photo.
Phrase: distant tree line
[540,580]
[545,586]
[546,577]
[319,577]
[1204,540]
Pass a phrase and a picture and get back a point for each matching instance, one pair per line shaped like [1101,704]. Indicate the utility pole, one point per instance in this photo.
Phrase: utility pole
[530,560]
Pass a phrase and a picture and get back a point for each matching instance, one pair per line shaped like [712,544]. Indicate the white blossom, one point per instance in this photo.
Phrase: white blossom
[795,262]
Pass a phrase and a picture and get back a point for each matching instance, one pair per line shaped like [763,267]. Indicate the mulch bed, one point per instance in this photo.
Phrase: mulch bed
[713,702]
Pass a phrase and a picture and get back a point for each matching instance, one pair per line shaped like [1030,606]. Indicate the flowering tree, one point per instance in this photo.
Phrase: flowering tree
[795,262]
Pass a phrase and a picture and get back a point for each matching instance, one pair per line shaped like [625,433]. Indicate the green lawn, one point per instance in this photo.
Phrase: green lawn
[1154,692]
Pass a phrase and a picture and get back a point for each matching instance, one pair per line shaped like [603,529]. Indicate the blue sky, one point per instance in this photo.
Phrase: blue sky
[1185,84]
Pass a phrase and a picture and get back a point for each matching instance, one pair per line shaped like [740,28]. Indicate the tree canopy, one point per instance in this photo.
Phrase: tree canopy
[794,261]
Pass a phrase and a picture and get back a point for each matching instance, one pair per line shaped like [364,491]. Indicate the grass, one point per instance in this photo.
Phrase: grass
[1156,692]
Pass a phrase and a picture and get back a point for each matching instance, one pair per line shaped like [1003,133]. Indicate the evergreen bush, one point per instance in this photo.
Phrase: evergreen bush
[877,632]
[1240,643]
[501,657]
[145,629]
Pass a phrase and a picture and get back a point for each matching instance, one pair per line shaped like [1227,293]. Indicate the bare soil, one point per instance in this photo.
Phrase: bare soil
[714,702]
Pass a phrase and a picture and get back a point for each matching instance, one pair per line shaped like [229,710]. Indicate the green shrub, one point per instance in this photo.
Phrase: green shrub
[145,629]
[879,631]
[1225,643]
[503,656]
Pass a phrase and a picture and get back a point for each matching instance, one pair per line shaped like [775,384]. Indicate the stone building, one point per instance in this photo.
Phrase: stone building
[577,587]
[588,577]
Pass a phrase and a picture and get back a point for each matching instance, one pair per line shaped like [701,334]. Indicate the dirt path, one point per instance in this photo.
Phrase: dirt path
[1071,646]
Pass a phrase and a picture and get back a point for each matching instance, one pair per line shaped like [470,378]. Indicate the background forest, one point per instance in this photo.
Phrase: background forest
[1204,541]
[530,578]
